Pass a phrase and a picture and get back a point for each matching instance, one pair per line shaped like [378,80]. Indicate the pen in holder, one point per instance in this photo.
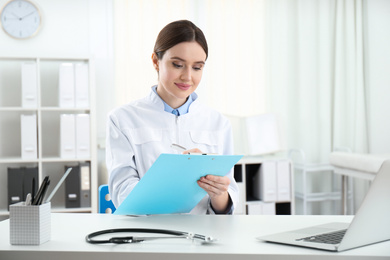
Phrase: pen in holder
[30,224]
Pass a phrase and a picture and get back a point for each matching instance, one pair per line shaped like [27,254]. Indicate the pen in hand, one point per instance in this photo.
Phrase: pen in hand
[182,149]
[178,147]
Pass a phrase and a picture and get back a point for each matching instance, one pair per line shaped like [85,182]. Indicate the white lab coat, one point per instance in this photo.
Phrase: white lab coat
[138,132]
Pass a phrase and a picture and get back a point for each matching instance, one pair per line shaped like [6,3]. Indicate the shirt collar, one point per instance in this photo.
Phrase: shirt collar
[182,109]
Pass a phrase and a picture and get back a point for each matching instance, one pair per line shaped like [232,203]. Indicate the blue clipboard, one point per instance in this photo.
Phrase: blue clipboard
[170,185]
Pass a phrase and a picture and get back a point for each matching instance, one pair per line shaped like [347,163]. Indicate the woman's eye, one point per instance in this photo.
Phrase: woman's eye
[177,65]
[197,68]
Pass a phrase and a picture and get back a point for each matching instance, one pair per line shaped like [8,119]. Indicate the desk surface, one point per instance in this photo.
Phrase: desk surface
[236,238]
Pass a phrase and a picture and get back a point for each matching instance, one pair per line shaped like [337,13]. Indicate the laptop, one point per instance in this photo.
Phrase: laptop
[370,224]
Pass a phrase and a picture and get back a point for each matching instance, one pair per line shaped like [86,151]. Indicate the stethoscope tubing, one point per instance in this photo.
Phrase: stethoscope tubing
[176,234]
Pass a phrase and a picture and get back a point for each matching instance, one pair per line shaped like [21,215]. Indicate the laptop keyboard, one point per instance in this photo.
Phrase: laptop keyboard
[328,238]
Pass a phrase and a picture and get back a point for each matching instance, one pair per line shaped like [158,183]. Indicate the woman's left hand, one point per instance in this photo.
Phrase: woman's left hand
[217,188]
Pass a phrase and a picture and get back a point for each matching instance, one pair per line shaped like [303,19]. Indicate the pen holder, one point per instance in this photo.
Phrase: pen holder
[30,225]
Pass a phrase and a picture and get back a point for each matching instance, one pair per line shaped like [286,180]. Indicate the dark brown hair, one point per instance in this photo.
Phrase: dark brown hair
[178,32]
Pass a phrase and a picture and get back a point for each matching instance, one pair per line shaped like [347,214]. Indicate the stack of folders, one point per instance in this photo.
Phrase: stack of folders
[73,85]
[19,183]
[78,187]
[75,136]
[28,124]
[272,183]
[29,85]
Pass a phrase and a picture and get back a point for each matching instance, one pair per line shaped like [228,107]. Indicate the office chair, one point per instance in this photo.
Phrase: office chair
[105,203]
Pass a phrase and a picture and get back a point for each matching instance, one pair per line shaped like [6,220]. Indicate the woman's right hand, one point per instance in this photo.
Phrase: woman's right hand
[193,150]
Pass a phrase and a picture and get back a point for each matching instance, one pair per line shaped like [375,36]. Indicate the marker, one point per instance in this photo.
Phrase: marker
[40,191]
[58,185]
[40,199]
[32,191]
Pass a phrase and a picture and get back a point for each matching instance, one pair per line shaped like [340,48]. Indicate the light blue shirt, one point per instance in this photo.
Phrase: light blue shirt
[181,110]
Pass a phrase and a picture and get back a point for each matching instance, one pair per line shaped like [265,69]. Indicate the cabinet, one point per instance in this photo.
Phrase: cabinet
[47,113]
[266,186]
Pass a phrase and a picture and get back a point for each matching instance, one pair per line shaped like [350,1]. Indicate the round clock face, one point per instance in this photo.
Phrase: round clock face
[20,19]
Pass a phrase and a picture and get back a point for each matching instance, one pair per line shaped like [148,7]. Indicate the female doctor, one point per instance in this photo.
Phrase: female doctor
[138,132]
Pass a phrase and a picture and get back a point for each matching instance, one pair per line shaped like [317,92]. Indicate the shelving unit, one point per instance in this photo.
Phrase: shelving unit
[305,172]
[48,127]
[244,173]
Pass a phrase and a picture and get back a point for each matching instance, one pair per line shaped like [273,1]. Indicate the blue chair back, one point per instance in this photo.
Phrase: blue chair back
[105,203]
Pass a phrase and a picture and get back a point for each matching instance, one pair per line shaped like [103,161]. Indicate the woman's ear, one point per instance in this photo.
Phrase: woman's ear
[155,61]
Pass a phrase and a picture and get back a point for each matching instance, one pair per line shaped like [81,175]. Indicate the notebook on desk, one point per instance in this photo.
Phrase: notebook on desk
[370,224]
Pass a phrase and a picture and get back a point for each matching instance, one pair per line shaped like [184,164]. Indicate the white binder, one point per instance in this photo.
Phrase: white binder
[66,85]
[82,136]
[29,138]
[261,208]
[240,208]
[29,85]
[283,180]
[67,136]
[265,186]
[81,85]
[85,185]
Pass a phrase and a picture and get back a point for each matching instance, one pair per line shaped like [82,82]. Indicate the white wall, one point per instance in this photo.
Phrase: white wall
[74,29]
[377,65]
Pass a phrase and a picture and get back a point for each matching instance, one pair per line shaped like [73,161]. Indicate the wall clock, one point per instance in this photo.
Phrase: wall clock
[20,19]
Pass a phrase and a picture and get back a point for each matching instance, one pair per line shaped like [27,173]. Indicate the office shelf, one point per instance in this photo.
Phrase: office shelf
[245,171]
[47,113]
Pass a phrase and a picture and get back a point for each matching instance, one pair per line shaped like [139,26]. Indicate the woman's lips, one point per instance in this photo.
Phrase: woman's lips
[183,86]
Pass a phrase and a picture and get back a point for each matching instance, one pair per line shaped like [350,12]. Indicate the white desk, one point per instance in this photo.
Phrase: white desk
[236,236]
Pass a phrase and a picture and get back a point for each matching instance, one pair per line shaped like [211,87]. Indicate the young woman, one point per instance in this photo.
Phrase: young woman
[171,114]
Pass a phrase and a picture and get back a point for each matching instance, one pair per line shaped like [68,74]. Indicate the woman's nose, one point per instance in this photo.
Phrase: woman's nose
[186,75]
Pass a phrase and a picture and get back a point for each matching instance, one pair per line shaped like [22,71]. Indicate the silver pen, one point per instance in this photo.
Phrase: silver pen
[178,147]
[182,149]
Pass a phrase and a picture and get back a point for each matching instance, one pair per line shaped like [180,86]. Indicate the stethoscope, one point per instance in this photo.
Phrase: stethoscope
[137,239]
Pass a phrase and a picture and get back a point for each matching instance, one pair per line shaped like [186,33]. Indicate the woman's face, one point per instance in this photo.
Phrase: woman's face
[180,71]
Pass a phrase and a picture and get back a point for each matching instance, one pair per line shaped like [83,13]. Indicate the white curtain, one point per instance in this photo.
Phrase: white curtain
[316,77]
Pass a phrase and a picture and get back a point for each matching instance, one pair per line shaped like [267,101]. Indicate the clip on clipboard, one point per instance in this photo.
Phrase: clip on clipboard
[170,185]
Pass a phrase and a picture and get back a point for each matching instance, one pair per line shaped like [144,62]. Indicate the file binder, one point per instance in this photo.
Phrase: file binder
[273,182]
[15,185]
[81,85]
[67,136]
[82,136]
[283,181]
[170,185]
[72,188]
[29,138]
[29,175]
[20,183]
[29,85]
[240,209]
[66,85]
[261,208]
[85,185]
[78,186]
[265,186]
